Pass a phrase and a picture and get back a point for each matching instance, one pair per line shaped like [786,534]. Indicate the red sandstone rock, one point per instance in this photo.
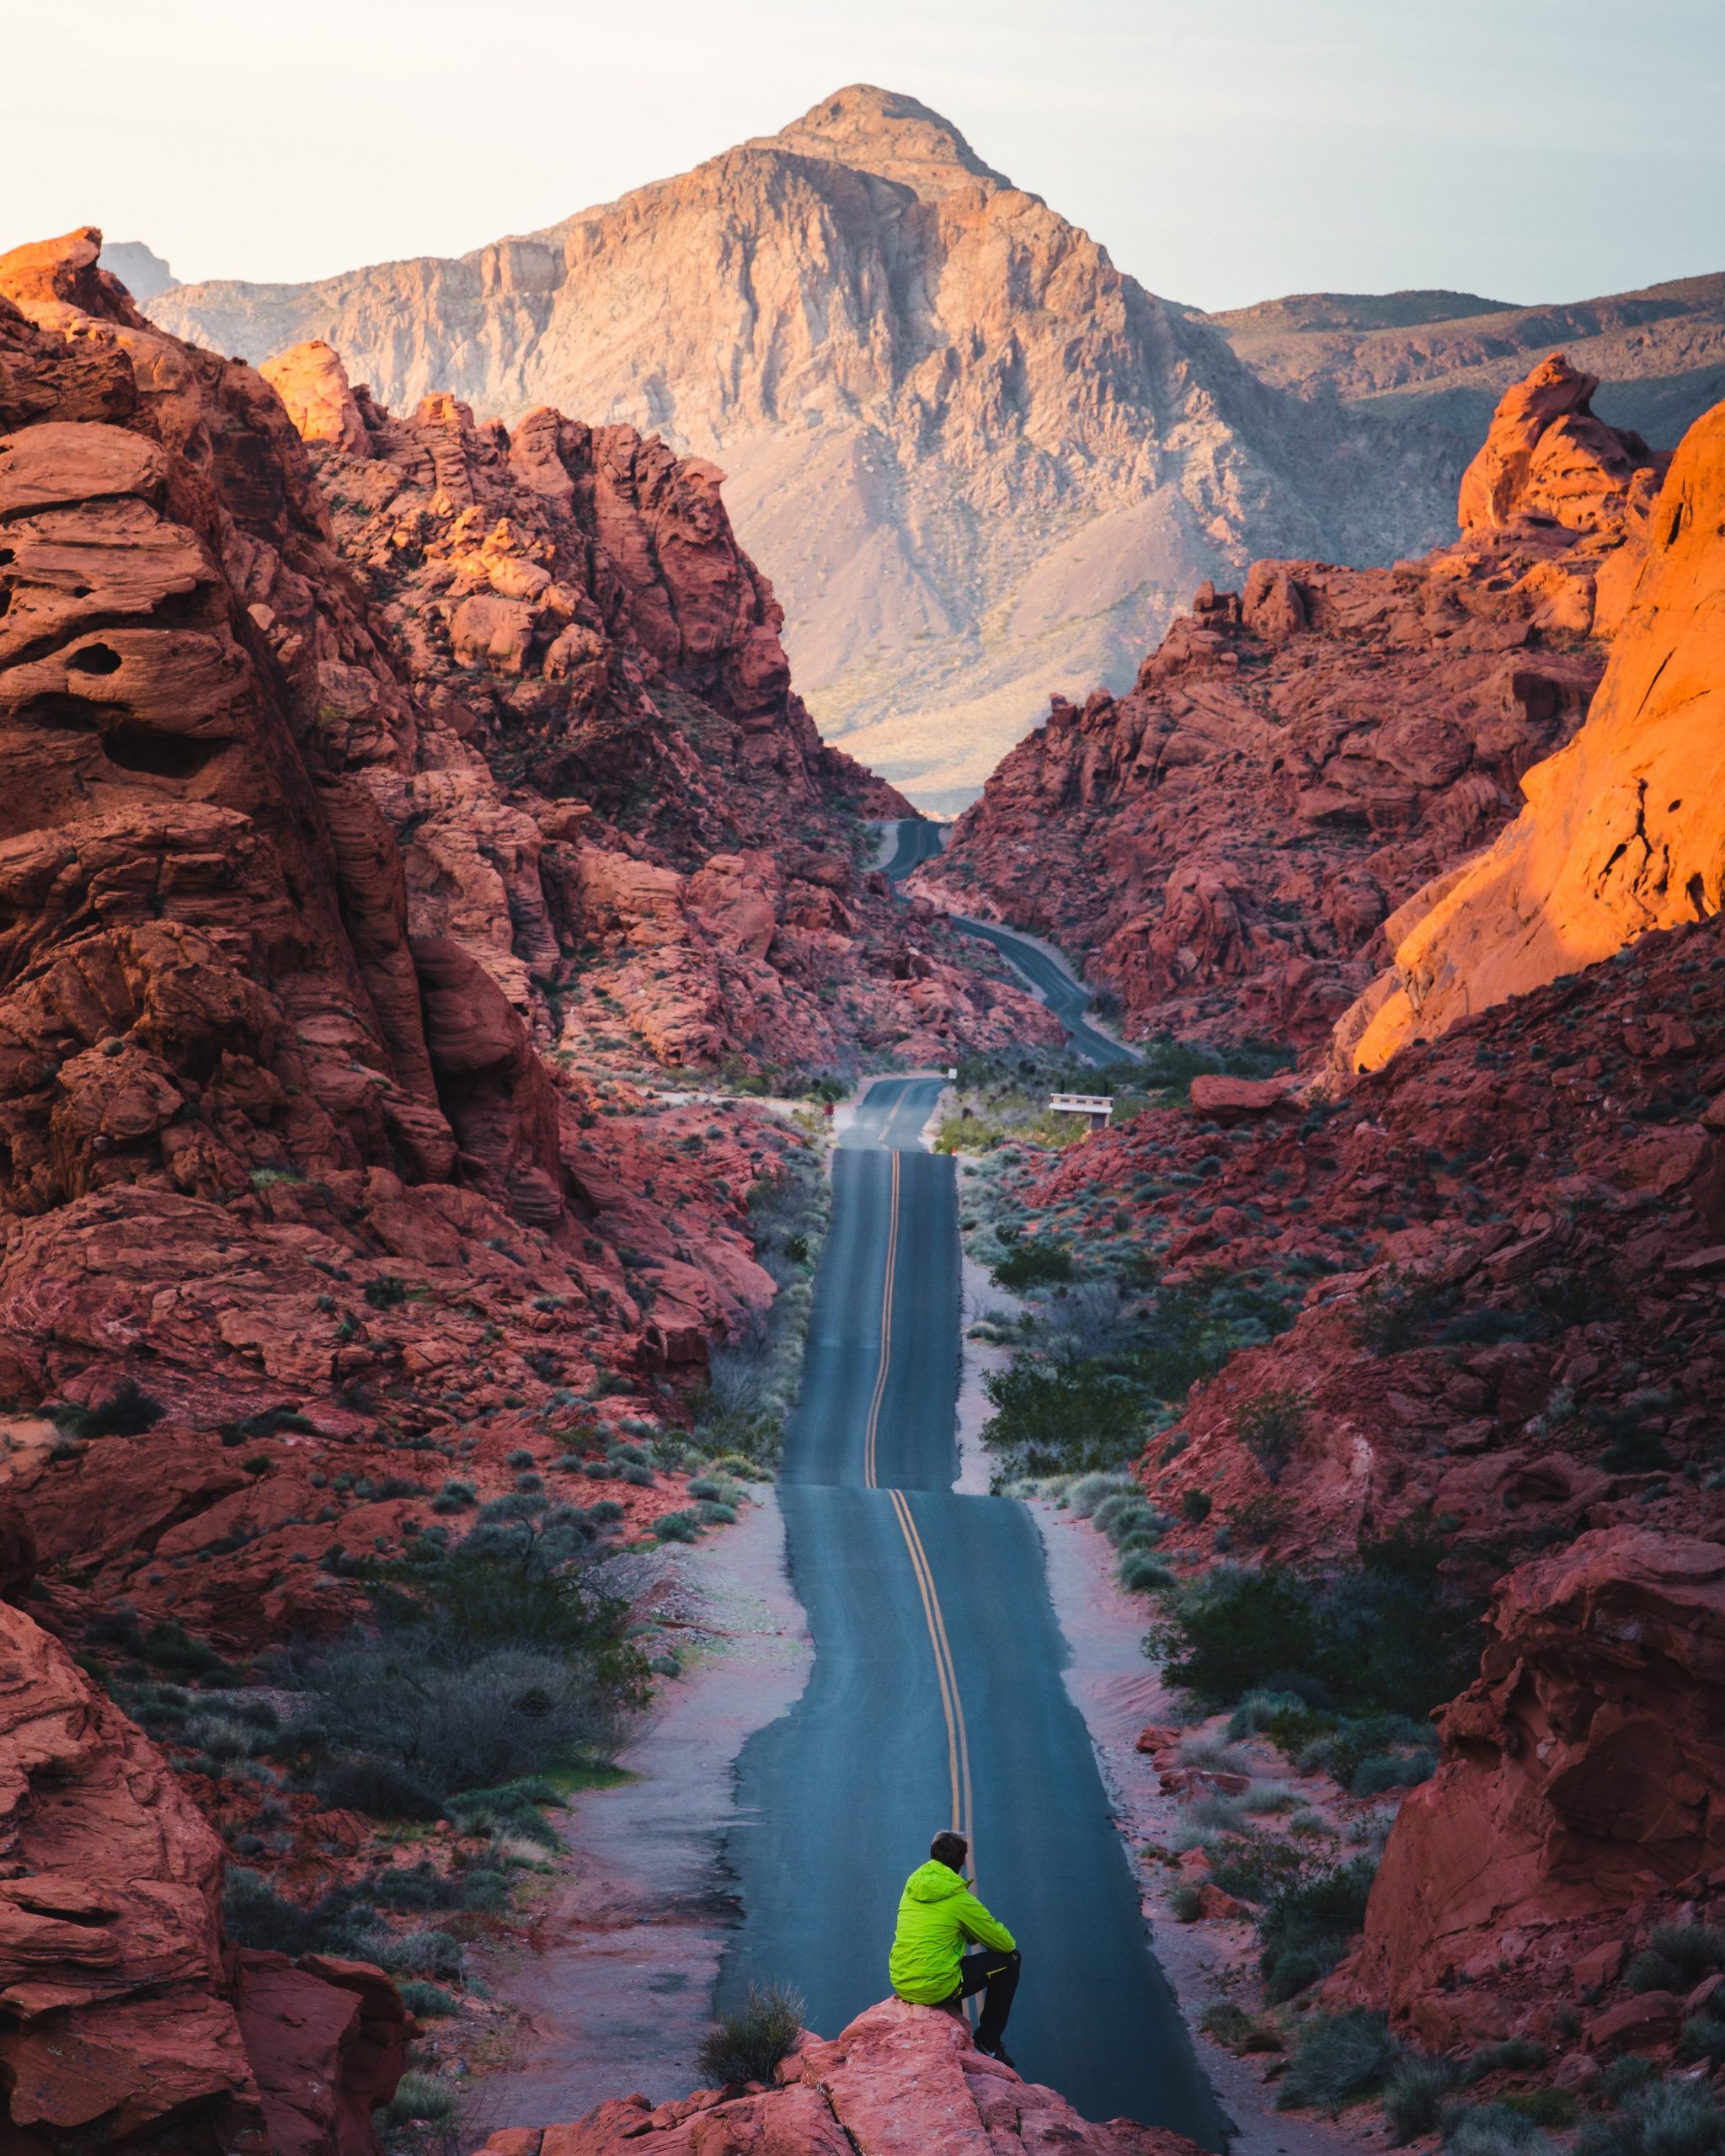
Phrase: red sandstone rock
[1585,1763]
[121,2021]
[899,2081]
[1547,456]
[1621,829]
[1229,846]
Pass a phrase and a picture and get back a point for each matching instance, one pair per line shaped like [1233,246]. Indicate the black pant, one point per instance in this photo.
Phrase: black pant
[995,1974]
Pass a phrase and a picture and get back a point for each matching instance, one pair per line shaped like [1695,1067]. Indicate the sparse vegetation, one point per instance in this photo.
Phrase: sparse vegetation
[746,2046]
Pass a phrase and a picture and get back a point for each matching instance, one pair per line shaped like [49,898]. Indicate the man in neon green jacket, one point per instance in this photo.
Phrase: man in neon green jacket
[937,1913]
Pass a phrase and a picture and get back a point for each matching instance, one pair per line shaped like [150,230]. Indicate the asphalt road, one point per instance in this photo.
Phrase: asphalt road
[1066,997]
[936,1696]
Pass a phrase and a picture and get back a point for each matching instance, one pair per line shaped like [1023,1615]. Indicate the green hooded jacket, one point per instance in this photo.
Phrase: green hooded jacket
[937,1913]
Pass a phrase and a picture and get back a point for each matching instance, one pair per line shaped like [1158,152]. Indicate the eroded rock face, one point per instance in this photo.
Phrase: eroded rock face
[899,2078]
[121,2020]
[1622,832]
[1582,1775]
[1229,846]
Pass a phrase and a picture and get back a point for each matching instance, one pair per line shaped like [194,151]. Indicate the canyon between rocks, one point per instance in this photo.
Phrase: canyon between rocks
[432,927]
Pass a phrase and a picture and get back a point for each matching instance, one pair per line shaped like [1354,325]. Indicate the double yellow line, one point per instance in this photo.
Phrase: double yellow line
[958,1739]
[946,1674]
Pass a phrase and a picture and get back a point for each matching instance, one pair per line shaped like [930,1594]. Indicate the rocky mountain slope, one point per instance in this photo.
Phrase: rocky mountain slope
[1453,1323]
[980,461]
[362,827]
[1222,846]
[1445,357]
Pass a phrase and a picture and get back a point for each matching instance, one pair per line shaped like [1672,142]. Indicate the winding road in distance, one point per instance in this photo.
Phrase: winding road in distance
[1066,997]
[936,1696]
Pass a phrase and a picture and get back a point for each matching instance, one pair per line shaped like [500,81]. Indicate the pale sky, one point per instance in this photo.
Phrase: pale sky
[1224,151]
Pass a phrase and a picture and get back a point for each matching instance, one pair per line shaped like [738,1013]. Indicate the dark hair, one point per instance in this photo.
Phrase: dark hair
[950,1849]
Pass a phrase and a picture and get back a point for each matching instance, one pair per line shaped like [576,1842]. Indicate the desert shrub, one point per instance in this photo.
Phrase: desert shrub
[424,2002]
[455,1497]
[414,1886]
[1061,1418]
[1258,1711]
[256,1915]
[1307,1924]
[1515,2055]
[422,1954]
[1260,1796]
[1213,1756]
[382,1789]
[1271,1427]
[1185,1903]
[1387,1635]
[1416,2093]
[127,1412]
[1141,1573]
[1493,2130]
[677,1527]
[746,2046]
[1195,1506]
[1703,2037]
[420,2099]
[1036,1261]
[385,1294]
[1373,1777]
[1626,2076]
[1677,1956]
[1664,2118]
[1339,2057]
[1233,2026]
[1543,2107]
[1090,1491]
[1395,1312]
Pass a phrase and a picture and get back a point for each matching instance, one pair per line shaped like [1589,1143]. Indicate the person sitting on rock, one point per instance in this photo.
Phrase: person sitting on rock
[937,1913]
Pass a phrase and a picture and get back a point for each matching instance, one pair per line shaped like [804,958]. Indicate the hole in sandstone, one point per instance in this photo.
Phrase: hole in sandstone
[159,755]
[5,602]
[94,658]
[8,554]
[80,591]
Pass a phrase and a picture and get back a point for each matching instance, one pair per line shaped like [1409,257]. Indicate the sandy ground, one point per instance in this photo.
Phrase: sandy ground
[615,1988]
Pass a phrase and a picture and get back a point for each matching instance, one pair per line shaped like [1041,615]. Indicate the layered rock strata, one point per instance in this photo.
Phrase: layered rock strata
[1224,847]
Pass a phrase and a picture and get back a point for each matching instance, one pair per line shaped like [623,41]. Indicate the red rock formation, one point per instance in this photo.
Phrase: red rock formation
[1227,846]
[1624,830]
[631,777]
[1581,1776]
[121,2023]
[1502,1257]
[899,2078]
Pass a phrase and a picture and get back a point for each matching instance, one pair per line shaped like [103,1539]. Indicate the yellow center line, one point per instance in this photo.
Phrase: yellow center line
[872,1429]
[945,1670]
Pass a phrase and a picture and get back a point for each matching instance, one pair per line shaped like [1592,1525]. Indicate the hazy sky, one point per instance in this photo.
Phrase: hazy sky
[1223,149]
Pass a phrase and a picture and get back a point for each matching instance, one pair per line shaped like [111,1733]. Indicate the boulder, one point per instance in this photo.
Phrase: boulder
[901,2080]
[1586,1765]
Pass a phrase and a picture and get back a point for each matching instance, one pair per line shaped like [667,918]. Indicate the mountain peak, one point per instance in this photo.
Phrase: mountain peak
[887,133]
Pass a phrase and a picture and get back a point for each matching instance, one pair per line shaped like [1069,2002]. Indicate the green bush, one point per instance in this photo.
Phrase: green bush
[127,1412]
[1185,1903]
[1195,1506]
[1416,2093]
[420,2099]
[1664,2118]
[748,2044]
[1515,2055]
[1703,2037]
[1141,1573]
[382,1789]
[1493,2130]
[1061,1418]
[1339,2057]
[1388,1635]
[1373,1777]
[1309,1921]
[1271,1427]
[1677,1957]
[1037,1262]
[425,2002]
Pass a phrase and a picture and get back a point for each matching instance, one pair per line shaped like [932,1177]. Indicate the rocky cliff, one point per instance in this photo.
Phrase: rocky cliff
[980,461]
[1621,832]
[1223,846]
[338,802]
